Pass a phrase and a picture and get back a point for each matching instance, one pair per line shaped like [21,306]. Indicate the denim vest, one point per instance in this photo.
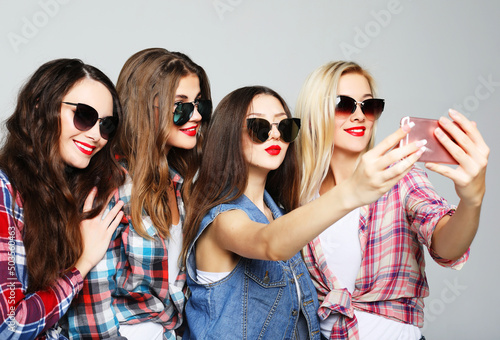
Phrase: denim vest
[258,299]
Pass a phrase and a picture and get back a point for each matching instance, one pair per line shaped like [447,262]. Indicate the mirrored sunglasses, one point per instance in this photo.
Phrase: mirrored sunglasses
[184,111]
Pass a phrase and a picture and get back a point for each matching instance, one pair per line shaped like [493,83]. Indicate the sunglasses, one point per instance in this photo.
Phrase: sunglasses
[259,129]
[372,108]
[184,111]
[86,117]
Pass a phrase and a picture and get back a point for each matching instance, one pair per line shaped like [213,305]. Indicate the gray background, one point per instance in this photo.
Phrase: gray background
[426,56]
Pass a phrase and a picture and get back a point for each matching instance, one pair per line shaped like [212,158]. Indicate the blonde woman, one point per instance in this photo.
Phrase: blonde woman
[369,267]
[242,252]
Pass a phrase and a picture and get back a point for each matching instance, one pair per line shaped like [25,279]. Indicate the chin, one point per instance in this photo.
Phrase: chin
[78,164]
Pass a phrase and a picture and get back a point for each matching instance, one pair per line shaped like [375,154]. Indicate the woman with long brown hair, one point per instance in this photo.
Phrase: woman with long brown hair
[242,253]
[138,290]
[57,172]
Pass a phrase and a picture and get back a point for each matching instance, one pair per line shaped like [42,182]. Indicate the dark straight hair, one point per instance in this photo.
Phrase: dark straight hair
[223,174]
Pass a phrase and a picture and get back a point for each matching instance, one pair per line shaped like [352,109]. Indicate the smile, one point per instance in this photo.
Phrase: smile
[85,148]
[356,132]
[190,131]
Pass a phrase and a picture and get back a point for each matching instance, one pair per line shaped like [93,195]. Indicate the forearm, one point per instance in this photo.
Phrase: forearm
[453,235]
[288,234]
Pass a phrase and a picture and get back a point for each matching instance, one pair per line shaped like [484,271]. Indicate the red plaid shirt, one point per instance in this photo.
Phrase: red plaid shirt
[391,281]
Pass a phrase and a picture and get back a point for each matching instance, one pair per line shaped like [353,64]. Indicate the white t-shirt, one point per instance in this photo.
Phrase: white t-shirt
[340,243]
[174,251]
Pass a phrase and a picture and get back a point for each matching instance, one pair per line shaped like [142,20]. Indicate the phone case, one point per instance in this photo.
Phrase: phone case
[424,129]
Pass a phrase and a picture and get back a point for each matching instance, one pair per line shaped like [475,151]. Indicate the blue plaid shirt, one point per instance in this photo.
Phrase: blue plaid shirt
[130,284]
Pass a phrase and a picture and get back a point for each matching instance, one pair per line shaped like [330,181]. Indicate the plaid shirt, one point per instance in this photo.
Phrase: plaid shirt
[33,315]
[130,284]
[391,281]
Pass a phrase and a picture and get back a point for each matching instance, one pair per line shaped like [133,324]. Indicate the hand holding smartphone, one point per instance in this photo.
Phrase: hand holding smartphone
[424,129]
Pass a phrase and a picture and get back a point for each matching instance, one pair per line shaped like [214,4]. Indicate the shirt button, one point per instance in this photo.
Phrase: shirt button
[294,313]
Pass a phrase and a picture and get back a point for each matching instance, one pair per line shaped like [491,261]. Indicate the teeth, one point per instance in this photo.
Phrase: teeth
[86,148]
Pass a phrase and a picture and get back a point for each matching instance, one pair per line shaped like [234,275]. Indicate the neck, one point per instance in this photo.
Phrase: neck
[341,168]
[255,188]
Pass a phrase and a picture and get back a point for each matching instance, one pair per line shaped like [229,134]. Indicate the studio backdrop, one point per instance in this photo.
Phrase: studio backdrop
[426,57]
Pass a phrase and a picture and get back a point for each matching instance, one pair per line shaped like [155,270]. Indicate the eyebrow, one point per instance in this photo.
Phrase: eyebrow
[262,114]
[184,97]
[365,96]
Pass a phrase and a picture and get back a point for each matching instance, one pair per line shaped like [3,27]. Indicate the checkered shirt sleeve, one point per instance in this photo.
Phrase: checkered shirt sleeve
[130,284]
[35,315]
[391,281]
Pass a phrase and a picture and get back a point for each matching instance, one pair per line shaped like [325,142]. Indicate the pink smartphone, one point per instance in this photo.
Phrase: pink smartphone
[424,129]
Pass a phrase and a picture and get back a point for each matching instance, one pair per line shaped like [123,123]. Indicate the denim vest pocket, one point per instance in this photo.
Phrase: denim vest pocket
[268,274]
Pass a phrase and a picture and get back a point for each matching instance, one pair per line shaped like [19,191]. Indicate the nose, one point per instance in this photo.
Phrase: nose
[94,133]
[358,113]
[274,132]
[196,117]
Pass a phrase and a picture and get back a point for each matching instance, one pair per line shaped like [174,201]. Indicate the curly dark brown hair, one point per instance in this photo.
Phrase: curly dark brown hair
[53,193]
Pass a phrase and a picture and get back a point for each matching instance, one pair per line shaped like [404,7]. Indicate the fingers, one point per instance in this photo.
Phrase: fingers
[467,126]
[466,135]
[114,223]
[467,147]
[114,214]
[401,168]
[89,201]
[390,141]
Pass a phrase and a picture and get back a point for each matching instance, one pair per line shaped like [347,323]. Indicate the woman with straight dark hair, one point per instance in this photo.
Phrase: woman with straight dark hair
[138,289]
[244,269]
[57,173]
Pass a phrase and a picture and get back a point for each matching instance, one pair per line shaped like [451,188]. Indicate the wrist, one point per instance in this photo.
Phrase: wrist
[83,266]
[345,197]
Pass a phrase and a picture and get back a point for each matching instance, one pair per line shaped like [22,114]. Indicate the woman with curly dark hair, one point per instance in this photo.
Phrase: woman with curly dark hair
[57,173]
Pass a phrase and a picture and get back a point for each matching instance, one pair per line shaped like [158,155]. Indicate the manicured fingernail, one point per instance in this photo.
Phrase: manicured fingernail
[421,143]
[438,132]
[421,151]
[407,127]
[452,112]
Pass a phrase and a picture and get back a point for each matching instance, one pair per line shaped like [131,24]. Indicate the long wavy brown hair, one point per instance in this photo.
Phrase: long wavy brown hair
[148,75]
[52,193]
[223,174]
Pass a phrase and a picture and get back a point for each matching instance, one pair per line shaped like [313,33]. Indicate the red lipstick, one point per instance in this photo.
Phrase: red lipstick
[356,131]
[191,131]
[85,148]
[273,150]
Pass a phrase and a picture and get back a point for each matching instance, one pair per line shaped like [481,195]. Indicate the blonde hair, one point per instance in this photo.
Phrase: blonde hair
[316,108]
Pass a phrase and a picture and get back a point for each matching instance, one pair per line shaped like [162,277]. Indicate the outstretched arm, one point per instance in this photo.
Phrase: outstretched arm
[453,235]
[234,232]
